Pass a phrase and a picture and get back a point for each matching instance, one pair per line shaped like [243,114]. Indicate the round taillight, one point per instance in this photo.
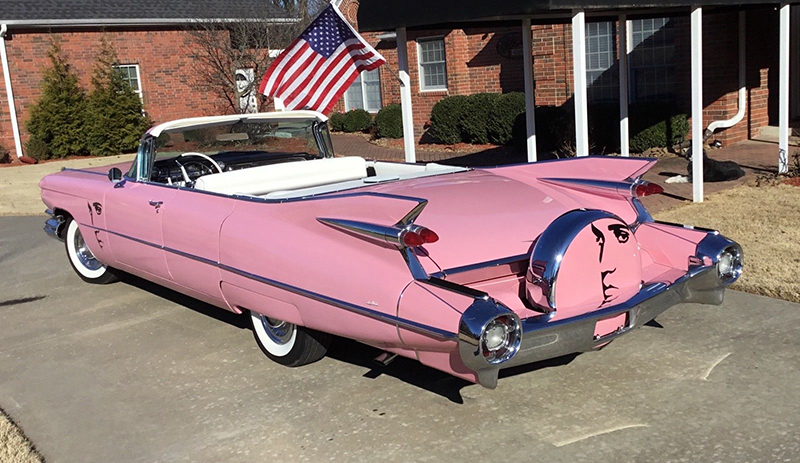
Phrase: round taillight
[647,189]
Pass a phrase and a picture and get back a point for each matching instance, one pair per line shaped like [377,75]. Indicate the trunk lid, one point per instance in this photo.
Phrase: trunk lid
[482,215]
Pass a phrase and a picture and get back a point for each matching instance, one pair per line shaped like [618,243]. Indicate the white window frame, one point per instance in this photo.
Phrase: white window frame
[422,87]
[138,78]
[364,94]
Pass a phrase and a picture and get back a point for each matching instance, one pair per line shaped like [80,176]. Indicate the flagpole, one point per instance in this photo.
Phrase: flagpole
[394,73]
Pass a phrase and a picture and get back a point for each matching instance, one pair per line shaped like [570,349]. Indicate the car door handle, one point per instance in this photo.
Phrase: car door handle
[156,204]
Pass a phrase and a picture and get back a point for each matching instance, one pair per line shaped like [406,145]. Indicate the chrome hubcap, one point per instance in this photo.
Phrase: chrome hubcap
[83,253]
[279,332]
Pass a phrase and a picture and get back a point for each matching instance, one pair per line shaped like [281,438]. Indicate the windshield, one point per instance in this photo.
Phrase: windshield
[237,142]
[280,139]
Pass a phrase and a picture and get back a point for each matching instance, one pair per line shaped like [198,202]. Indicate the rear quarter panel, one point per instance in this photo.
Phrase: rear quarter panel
[285,242]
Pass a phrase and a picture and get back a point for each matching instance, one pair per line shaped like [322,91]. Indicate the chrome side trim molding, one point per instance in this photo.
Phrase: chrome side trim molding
[591,185]
[374,314]
[690,227]
[82,171]
[401,322]
[382,233]
[414,265]
[456,288]
[481,266]
[389,234]
[412,215]
[255,199]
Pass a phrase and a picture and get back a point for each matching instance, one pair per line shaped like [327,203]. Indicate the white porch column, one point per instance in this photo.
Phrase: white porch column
[12,108]
[405,95]
[579,73]
[624,50]
[783,90]
[697,104]
[530,101]
[794,64]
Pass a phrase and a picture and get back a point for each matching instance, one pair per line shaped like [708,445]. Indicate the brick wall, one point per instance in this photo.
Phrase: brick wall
[162,56]
[474,65]
[552,64]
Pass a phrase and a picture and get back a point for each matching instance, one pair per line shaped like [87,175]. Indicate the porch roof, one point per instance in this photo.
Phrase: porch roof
[383,15]
[125,13]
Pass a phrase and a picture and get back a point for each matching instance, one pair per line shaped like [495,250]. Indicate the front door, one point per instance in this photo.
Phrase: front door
[134,214]
[191,226]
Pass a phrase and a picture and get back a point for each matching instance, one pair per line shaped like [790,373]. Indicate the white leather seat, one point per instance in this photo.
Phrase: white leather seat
[262,180]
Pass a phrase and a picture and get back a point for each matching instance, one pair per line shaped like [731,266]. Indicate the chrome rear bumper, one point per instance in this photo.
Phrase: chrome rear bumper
[544,338]
[53,225]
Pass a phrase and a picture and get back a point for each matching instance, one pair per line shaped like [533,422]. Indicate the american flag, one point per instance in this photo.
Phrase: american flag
[316,69]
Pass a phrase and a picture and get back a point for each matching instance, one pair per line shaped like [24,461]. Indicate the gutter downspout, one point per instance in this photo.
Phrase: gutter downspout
[12,109]
[716,125]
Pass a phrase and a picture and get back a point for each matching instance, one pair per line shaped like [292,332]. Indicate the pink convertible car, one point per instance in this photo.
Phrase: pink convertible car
[466,270]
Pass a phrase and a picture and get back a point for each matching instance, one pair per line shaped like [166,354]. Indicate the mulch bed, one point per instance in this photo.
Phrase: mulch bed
[792,181]
[397,143]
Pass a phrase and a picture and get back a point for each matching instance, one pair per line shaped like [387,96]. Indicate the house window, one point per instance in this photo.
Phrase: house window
[601,73]
[432,69]
[130,74]
[365,92]
[652,59]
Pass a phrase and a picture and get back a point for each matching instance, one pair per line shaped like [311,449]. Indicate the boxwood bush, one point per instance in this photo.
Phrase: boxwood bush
[389,122]
[5,155]
[507,112]
[655,125]
[446,117]
[336,122]
[474,120]
[357,120]
[500,119]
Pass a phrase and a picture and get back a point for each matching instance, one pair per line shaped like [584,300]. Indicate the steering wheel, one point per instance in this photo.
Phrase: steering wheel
[207,158]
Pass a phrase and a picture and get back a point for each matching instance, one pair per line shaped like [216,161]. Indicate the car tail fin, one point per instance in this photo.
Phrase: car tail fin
[597,168]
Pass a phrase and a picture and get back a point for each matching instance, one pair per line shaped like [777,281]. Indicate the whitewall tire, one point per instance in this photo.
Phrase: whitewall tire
[81,258]
[286,343]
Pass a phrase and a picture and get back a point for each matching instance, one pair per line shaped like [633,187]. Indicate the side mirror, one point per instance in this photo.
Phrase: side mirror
[114,174]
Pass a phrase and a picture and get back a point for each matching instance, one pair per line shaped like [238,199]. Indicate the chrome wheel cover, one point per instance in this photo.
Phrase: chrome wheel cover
[84,254]
[279,332]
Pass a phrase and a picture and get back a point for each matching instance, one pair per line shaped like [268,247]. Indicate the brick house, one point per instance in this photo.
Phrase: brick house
[488,58]
[153,47]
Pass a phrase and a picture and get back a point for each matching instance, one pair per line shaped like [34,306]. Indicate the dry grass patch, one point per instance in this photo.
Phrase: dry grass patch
[766,222]
[14,446]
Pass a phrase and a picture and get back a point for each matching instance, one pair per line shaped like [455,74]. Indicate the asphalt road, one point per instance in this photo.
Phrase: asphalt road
[133,373]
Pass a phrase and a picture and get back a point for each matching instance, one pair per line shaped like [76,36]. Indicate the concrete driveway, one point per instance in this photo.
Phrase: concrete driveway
[133,373]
